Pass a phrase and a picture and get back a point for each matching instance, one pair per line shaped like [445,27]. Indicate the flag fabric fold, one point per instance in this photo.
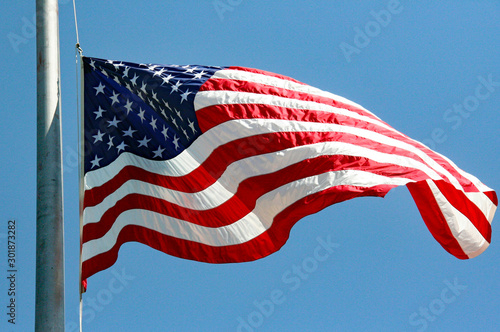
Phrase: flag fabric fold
[216,164]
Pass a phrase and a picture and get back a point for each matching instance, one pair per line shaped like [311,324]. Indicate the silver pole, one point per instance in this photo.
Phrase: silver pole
[49,307]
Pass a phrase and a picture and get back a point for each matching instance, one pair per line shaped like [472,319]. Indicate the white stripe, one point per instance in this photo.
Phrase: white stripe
[239,75]
[479,185]
[224,133]
[484,204]
[196,154]
[210,98]
[469,238]
[245,229]
[228,183]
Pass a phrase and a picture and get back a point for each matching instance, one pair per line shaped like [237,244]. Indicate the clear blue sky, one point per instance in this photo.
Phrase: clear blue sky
[385,273]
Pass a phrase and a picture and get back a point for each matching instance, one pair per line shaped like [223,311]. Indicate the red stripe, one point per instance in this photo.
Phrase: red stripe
[434,219]
[205,175]
[470,210]
[212,116]
[492,196]
[263,245]
[244,86]
[249,191]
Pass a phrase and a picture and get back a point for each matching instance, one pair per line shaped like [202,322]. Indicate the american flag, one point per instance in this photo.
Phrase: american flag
[217,164]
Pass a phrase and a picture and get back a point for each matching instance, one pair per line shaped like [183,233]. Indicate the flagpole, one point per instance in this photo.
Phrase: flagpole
[49,306]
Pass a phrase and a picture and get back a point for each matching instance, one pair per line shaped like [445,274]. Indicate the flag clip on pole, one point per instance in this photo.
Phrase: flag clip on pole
[49,306]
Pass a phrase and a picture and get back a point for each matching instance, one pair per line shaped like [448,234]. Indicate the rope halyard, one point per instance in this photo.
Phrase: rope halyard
[79,107]
[76,25]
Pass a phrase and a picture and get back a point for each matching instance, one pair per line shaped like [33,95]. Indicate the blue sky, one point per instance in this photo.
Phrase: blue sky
[383,270]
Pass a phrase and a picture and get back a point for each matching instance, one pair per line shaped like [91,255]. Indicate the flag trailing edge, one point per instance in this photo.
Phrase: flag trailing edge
[216,164]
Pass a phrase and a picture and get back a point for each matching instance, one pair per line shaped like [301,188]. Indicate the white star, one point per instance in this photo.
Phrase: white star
[134,79]
[95,162]
[191,70]
[167,79]
[178,113]
[191,125]
[144,142]
[116,80]
[99,113]
[104,72]
[117,65]
[158,152]
[167,105]
[154,96]
[129,132]
[185,95]
[159,72]
[176,86]
[153,123]
[98,137]
[114,122]
[99,88]
[114,98]
[122,146]
[163,112]
[185,133]
[165,132]
[199,75]
[125,71]
[176,142]
[173,121]
[128,106]
[110,143]
[143,87]
[92,64]
[141,115]
[152,67]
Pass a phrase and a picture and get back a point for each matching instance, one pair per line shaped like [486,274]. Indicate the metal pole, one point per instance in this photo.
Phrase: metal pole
[49,307]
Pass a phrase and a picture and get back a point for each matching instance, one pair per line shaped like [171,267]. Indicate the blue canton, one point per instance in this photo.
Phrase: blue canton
[144,109]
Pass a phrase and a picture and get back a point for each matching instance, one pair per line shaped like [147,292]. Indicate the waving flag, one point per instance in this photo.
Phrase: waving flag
[216,164]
